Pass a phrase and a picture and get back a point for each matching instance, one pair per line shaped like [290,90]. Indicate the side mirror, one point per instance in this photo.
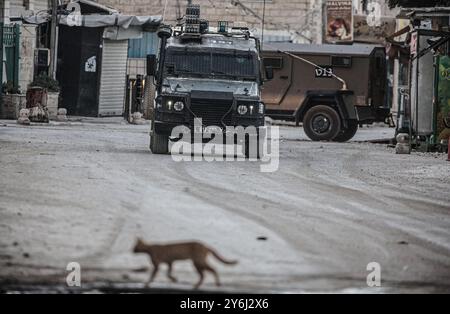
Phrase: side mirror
[269,73]
[151,65]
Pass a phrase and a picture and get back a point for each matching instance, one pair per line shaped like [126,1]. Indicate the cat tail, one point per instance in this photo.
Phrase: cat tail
[220,258]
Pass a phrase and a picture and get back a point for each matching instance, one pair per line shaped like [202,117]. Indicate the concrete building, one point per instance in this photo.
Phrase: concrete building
[12,11]
[299,21]
[373,21]
[285,20]
[422,49]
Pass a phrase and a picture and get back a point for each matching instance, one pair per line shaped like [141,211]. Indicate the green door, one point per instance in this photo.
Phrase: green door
[1,53]
[1,63]
[443,95]
[11,47]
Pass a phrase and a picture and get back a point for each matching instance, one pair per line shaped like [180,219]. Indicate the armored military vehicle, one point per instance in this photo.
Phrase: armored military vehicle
[200,73]
[330,89]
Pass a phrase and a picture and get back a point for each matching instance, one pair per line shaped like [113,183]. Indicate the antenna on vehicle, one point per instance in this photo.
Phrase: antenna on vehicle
[344,83]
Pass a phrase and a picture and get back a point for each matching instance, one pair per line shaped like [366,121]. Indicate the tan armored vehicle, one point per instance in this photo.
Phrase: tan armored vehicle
[331,89]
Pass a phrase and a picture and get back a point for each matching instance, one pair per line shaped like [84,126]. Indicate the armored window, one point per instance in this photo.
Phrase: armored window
[275,63]
[211,63]
[344,62]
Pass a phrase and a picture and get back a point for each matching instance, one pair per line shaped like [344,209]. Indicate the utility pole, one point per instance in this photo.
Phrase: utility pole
[2,14]
[53,41]
[263,22]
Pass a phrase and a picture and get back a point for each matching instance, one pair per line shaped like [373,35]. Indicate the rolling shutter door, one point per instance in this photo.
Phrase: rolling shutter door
[113,77]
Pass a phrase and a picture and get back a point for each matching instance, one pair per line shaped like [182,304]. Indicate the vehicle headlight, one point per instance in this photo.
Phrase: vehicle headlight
[169,104]
[178,106]
[261,108]
[242,109]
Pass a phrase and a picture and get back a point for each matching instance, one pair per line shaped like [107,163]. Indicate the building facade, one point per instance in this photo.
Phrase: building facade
[12,11]
[15,8]
[284,20]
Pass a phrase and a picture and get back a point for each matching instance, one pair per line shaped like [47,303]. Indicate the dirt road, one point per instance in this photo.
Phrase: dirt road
[82,192]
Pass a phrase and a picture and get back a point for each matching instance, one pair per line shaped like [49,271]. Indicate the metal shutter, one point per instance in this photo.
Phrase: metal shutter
[113,77]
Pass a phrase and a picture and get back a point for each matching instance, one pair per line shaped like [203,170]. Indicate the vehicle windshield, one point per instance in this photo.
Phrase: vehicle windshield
[211,63]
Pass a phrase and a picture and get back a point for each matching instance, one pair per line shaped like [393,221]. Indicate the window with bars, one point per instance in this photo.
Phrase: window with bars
[211,63]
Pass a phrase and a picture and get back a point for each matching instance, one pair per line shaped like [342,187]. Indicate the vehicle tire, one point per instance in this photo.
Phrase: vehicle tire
[322,123]
[348,133]
[159,144]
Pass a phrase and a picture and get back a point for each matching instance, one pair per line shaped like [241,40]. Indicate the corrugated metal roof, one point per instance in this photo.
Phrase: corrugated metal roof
[424,12]
[354,50]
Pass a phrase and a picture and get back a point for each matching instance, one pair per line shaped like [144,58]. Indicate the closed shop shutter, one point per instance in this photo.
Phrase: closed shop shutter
[113,77]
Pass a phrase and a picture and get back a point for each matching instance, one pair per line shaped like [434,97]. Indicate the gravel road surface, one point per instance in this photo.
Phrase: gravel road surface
[83,191]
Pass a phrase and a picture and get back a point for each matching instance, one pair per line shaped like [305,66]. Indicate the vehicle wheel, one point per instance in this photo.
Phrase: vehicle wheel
[159,144]
[322,123]
[247,152]
[348,133]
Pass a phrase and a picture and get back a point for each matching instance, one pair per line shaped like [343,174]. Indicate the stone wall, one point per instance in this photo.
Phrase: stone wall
[292,18]
[17,7]
[11,105]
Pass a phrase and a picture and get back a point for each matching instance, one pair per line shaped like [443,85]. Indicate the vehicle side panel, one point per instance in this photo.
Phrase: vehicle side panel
[303,79]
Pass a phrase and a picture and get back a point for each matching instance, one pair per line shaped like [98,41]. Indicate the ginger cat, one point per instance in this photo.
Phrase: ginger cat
[168,253]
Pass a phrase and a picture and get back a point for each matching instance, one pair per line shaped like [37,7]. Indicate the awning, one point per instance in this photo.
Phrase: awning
[391,38]
[398,49]
[424,12]
[123,21]
[98,20]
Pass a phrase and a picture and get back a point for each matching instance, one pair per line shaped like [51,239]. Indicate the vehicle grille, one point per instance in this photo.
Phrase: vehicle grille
[212,112]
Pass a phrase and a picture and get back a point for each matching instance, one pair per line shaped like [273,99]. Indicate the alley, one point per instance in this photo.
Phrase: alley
[83,191]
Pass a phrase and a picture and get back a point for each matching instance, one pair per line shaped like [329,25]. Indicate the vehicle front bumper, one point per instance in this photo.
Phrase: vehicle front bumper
[166,127]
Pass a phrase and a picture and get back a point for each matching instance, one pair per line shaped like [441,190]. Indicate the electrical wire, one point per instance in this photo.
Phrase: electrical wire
[164,12]
[298,30]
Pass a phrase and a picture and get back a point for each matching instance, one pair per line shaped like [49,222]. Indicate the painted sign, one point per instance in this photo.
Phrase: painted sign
[444,84]
[443,98]
[339,25]
[91,64]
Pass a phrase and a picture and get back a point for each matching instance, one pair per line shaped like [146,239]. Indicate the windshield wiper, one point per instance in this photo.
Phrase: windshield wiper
[178,71]
[214,72]
[235,76]
[218,72]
